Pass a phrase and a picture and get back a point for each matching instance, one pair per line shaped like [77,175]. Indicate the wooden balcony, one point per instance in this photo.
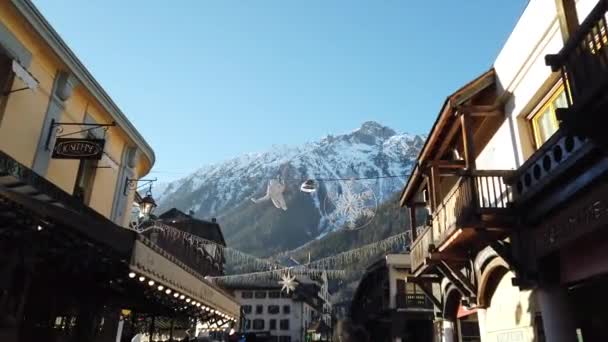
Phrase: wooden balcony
[475,210]
[583,62]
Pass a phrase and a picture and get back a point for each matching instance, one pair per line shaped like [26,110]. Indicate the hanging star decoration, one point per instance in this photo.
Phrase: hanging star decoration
[288,282]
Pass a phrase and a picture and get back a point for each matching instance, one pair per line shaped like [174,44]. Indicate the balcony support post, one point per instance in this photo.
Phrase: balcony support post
[467,141]
[458,279]
[567,17]
[435,195]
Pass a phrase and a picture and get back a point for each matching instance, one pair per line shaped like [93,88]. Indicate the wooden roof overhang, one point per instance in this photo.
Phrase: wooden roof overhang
[445,129]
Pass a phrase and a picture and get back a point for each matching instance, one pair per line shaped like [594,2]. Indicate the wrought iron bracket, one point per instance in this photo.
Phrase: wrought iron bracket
[133,184]
[57,127]
[6,93]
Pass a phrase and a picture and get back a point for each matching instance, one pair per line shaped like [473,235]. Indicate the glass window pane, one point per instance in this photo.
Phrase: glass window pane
[546,125]
[561,101]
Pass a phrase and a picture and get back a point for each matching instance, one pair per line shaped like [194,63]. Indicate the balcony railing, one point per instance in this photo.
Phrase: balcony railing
[412,301]
[583,62]
[473,196]
[548,163]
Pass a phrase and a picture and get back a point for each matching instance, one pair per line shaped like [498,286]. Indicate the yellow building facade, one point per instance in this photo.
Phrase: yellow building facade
[63,91]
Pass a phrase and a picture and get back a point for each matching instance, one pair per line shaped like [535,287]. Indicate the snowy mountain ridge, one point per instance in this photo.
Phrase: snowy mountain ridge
[224,190]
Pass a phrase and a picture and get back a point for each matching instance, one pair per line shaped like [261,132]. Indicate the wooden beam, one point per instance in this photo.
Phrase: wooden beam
[481,110]
[467,139]
[496,112]
[428,291]
[448,139]
[458,279]
[447,164]
[443,256]
[567,18]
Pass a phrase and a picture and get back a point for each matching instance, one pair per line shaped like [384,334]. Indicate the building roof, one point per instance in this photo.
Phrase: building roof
[442,124]
[204,229]
[44,29]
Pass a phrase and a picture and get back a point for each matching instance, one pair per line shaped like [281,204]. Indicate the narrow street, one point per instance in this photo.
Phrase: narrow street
[323,171]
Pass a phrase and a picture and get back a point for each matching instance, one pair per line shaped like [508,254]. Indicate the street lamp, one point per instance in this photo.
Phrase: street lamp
[147,204]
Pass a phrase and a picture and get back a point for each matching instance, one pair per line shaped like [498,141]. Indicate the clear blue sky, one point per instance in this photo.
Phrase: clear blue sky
[205,80]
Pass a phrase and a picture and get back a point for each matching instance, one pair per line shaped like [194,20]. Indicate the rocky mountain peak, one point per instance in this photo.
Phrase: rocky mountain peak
[373,128]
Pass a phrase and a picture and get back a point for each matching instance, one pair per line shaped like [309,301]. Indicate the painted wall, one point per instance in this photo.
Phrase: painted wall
[21,128]
[522,73]
[510,316]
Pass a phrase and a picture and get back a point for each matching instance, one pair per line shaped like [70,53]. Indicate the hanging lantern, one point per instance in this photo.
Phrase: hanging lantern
[308,186]
[147,204]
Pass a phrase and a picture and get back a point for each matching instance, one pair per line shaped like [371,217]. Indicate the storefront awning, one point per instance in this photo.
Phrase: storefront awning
[24,192]
[154,263]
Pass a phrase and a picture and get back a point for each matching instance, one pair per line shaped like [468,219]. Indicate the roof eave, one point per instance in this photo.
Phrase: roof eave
[51,37]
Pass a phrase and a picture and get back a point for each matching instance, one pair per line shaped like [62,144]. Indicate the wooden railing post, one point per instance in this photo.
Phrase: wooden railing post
[413,222]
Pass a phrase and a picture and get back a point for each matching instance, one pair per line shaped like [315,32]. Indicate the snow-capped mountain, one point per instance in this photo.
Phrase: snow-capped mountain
[224,190]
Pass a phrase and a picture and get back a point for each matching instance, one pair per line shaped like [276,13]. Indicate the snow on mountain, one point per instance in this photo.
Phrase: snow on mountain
[224,189]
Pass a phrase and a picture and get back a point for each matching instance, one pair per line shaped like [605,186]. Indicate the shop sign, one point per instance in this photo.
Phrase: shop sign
[580,217]
[78,148]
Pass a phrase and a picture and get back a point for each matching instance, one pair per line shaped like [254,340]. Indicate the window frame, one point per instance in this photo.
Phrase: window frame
[547,102]
[287,309]
[247,309]
[272,324]
[247,294]
[274,312]
[259,309]
[284,326]
[257,326]
[260,294]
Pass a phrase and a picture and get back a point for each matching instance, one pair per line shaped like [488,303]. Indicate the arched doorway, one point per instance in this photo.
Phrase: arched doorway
[460,323]
[509,312]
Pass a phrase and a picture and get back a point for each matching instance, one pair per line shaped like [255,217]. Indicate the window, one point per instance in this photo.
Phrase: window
[258,324]
[274,294]
[260,295]
[247,324]
[284,338]
[247,309]
[286,309]
[273,324]
[286,295]
[274,309]
[544,121]
[284,324]
[84,180]
[259,309]
[247,294]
